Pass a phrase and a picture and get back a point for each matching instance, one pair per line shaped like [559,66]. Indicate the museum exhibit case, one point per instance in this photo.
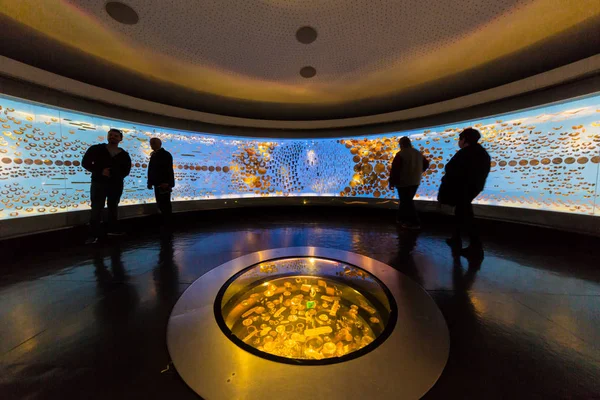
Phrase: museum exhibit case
[305,309]
[543,159]
[307,316]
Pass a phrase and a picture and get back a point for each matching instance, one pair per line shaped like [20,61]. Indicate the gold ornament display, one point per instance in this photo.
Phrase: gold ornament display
[304,317]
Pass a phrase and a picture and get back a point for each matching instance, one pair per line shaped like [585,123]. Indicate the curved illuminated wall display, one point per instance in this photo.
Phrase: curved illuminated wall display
[546,158]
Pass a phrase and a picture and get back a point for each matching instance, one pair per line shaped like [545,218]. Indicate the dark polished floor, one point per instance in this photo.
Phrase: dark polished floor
[81,322]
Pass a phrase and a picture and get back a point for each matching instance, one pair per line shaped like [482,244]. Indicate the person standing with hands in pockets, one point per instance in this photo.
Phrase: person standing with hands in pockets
[161,177]
[109,165]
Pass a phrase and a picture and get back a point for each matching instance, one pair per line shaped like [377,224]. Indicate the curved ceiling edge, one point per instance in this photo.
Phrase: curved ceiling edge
[580,69]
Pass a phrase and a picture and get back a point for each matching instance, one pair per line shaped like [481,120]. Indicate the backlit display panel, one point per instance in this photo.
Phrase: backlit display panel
[547,158]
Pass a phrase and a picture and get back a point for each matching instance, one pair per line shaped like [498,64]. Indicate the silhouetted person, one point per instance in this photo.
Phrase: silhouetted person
[109,165]
[161,177]
[407,167]
[464,179]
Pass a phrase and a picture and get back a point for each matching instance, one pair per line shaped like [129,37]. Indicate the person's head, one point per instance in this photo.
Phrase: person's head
[405,142]
[467,137]
[114,136]
[155,143]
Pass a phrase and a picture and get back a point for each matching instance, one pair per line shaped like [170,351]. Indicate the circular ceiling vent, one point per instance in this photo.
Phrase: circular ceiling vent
[306,34]
[308,72]
[122,13]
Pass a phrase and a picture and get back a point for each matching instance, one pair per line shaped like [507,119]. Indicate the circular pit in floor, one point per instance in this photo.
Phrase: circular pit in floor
[307,322]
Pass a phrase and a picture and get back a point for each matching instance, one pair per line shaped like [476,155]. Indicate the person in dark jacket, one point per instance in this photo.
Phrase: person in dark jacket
[464,179]
[109,165]
[407,167]
[161,177]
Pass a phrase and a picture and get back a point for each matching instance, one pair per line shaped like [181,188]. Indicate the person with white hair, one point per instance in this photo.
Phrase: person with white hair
[407,168]
[161,177]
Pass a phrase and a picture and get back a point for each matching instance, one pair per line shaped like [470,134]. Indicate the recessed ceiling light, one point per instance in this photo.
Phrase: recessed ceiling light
[308,72]
[306,34]
[122,13]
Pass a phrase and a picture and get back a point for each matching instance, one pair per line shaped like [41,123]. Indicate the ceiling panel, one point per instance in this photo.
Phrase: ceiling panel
[242,58]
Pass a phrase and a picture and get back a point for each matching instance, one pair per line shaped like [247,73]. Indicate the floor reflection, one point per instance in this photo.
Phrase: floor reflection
[403,260]
[106,277]
[524,324]
[166,272]
[463,281]
[120,298]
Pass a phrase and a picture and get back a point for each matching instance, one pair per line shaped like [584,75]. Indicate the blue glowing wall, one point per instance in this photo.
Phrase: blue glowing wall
[547,158]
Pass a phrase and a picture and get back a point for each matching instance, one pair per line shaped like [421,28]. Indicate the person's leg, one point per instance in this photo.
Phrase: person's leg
[97,199]
[404,195]
[474,252]
[411,212]
[470,227]
[115,190]
[460,212]
[163,201]
[400,213]
[157,198]
[167,207]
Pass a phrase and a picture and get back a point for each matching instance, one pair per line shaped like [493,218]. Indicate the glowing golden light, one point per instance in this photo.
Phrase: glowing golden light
[507,34]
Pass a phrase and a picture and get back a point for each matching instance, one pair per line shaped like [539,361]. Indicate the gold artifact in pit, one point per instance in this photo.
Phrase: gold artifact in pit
[304,317]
